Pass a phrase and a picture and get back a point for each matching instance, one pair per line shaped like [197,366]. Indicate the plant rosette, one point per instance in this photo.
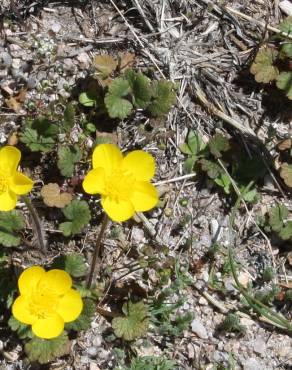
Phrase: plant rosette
[122,181]
[46,301]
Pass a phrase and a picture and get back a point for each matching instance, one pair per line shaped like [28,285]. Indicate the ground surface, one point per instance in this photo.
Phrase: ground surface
[47,47]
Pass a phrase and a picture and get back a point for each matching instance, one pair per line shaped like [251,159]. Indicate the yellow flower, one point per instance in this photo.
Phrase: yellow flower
[12,182]
[123,182]
[46,301]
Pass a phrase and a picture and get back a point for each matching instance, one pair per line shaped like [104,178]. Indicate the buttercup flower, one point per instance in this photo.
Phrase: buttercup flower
[46,301]
[122,182]
[12,182]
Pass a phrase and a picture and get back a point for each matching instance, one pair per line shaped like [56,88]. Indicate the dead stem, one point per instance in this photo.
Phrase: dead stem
[96,251]
[37,223]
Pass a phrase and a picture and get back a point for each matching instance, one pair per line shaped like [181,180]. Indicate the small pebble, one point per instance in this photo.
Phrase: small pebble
[5,59]
[92,351]
[199,329]
[31,82]
[56,27]
[97,341]
[16,63]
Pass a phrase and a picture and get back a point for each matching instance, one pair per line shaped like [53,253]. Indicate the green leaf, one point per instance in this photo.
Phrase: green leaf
[87,99]
[44,127]
[73,263]
[195,142]
[249,196]
[152,363]
[286,50]
[189,164]
[117,106]
[78,214]
[263,68]
[218,144]
[134,324]
[47,350]
[163,97]
[35,142]
[67,157]
[286,25]
[140,88]
[119,87]
[10,223]
[213,169]
[284,82]
[185,149]
[286,232]
[277,216]
[69,117]
[23,331]
[84,320]
[224,181]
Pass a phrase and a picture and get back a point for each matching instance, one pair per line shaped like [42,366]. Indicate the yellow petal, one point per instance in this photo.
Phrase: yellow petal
[8,201]
[118,210]
[29,279]
[107,156]
[55,282]
[20,310]
[48,328]
[9,159]
[94,181]
[140,164]
[144,197]
[20,184]
[70,305]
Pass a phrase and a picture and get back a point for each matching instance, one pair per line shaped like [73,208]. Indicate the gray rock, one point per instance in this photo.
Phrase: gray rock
[253,364]
[199,329]
[5,59]
[259,346]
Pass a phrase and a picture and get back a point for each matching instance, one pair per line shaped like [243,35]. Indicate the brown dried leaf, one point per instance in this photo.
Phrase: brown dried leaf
[13,139]
[285,144]
[126,60]
[263,68]
[286,174]
[104,82]
[21,96]
[104,64]
[52,196]
[106,137]
[13,104]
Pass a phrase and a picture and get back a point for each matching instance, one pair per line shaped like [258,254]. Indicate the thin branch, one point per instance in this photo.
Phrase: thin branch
[96,251]
[37,224]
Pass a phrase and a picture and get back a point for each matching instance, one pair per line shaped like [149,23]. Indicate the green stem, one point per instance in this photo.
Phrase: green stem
[257,305]
[36,222]
[96,252]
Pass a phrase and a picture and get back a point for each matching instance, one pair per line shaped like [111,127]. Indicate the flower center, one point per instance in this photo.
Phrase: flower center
[119,185]
[43,304]
[3,184]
